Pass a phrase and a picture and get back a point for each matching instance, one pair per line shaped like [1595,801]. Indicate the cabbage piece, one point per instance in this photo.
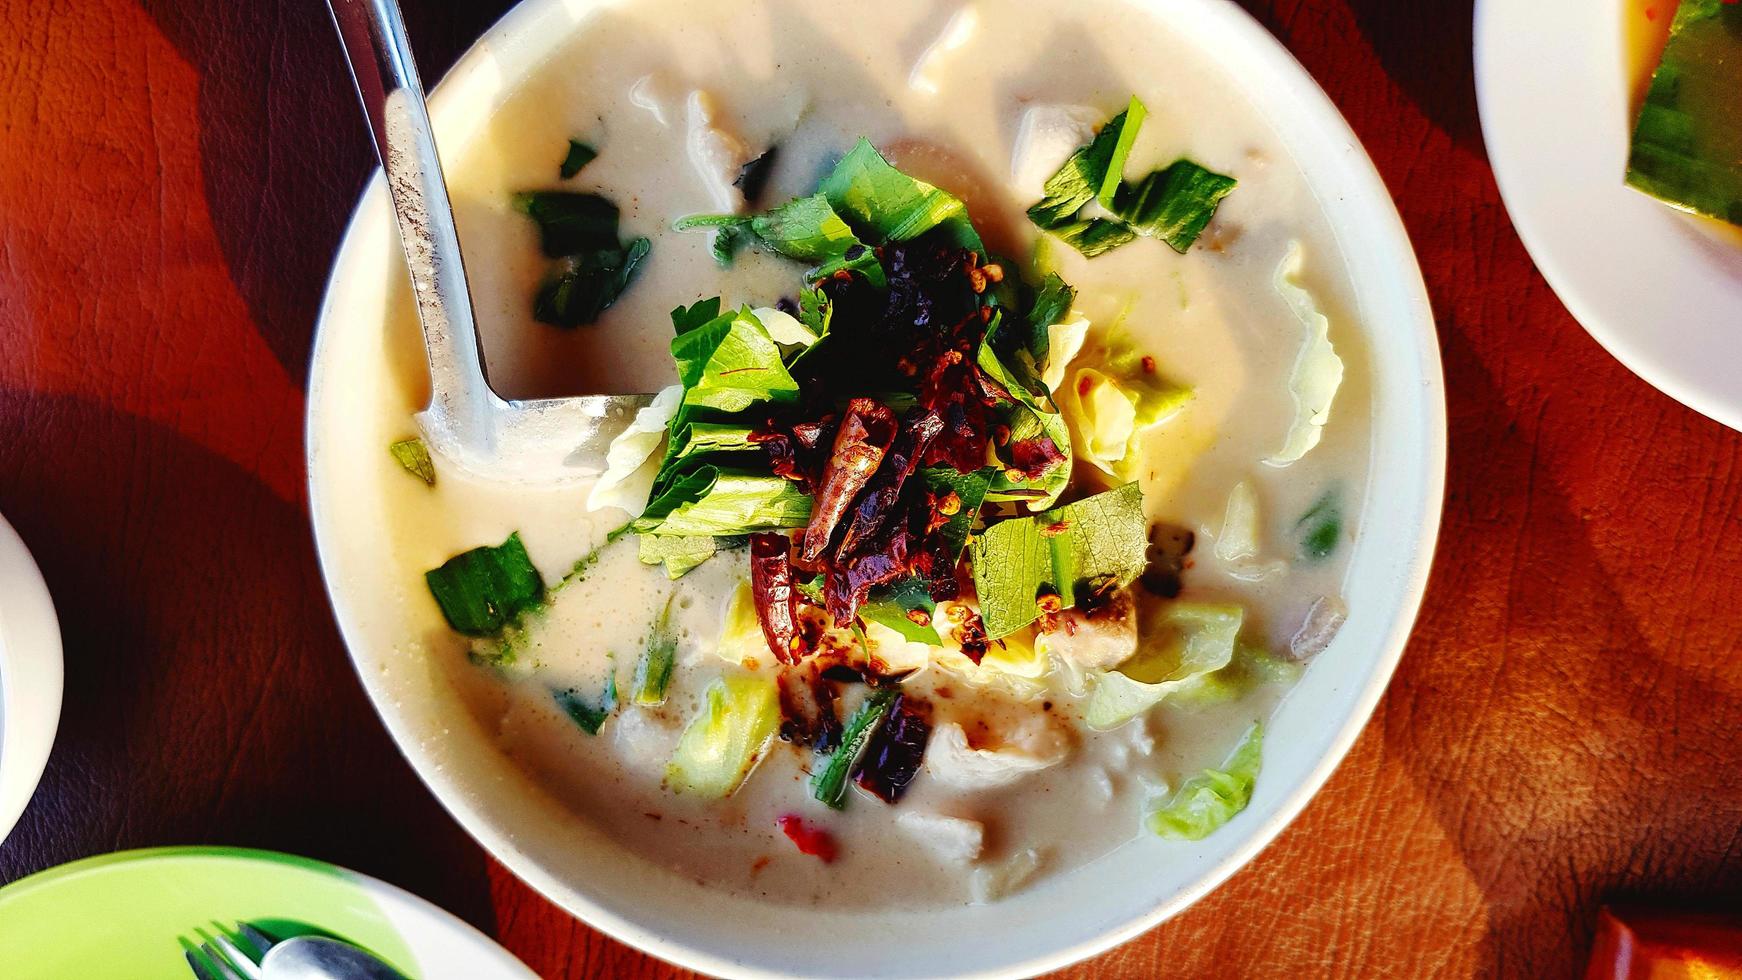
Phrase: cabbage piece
[1210,798]
[1116,401]
[724,743]
[1187,640]
[741,638]
[629,468]
[1064,341]
[1253,667]
[786,329]
[1237,545]
[1318,371]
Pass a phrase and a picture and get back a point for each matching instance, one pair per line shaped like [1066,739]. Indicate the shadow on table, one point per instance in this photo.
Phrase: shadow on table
[1570,768]
[208,698]
[1426,48]
[285,150]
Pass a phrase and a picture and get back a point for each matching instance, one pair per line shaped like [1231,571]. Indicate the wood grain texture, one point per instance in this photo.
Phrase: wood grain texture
[174,178]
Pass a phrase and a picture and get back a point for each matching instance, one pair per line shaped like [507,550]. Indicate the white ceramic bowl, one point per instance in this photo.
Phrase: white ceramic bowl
[1059,920]
[30,677]
[1658,292]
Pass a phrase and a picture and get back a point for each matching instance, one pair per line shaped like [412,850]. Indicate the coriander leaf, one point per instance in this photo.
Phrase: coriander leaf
[713,501]
[1052,303]
[1133,118]
[413,455]
[1320,528]
[589,284]
[1099,541]
[1011,563]
[805,228]
[970,492]
[730,363]
[701,313]
[1034,423]
[580,154]
[815,311]
[570,223]
[1094,237]
[1174,203]
[1209,799]
[482,590]
[882,204]
[1080,179]
[894,606]
[1104,537]
[588,713]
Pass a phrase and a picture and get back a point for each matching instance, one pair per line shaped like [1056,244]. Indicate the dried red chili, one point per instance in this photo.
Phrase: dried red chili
[776,599]
[865,434]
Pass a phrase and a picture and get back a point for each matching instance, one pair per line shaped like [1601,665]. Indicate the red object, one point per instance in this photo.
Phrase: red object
[1646,944]
[1567,721]
[817,843]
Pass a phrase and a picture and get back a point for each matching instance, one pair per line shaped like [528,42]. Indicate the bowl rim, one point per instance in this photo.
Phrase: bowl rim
[32,677]
[1431,437]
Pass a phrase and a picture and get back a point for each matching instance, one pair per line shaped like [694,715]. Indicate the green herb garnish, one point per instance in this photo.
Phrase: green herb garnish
[1173,204]
[413,455]
[1098,543]
[653,670]
[587,285]
[485,589]
[1320,528]
[579,155]
[570,222]
[829,782]
[588,713]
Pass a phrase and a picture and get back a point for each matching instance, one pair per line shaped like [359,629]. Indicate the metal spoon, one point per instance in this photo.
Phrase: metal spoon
[319,958]
[467,423]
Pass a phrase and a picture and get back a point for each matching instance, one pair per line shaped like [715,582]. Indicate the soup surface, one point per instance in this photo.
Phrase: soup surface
[1016,782]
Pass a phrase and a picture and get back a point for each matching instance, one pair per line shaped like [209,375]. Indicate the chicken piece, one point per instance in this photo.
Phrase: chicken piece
[644,740]
[993,882]
[955,840]
[1098,641]
[716,153]
[1038,743]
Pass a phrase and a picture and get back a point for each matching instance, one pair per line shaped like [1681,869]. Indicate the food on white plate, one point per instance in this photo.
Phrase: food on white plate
[1687,142]
[1007,459]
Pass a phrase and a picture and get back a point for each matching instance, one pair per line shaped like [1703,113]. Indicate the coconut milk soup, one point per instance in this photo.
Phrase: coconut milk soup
[993,555]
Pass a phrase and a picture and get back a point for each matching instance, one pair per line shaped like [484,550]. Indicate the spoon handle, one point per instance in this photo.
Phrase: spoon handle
[385,72]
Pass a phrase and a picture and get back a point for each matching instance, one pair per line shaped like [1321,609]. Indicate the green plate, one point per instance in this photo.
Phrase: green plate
[125,914]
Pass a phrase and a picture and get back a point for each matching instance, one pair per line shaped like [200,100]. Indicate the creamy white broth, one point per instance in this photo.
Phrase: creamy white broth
[814,82]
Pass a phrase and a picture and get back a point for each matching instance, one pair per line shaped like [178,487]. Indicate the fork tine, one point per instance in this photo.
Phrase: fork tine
[259,940]
[236,960]
[197,961]
[219,964]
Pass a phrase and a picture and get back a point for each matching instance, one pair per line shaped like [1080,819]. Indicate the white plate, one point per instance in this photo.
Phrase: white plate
[1660,293]
[1059,920]
[30,677]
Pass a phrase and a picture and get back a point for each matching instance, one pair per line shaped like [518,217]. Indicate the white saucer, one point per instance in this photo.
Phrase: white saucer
[30,677]
[1660,293]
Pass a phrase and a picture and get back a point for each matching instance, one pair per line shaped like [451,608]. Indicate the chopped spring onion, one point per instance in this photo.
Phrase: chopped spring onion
[485,589]
[653,671]
[829,783]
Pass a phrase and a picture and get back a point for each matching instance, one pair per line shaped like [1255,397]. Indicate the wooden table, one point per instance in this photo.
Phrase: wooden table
[174,178]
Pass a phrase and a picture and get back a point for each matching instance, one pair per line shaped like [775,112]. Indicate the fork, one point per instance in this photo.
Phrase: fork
[217,957]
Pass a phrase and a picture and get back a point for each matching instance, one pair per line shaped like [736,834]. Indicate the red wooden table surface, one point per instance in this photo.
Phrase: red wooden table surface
[174,177]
